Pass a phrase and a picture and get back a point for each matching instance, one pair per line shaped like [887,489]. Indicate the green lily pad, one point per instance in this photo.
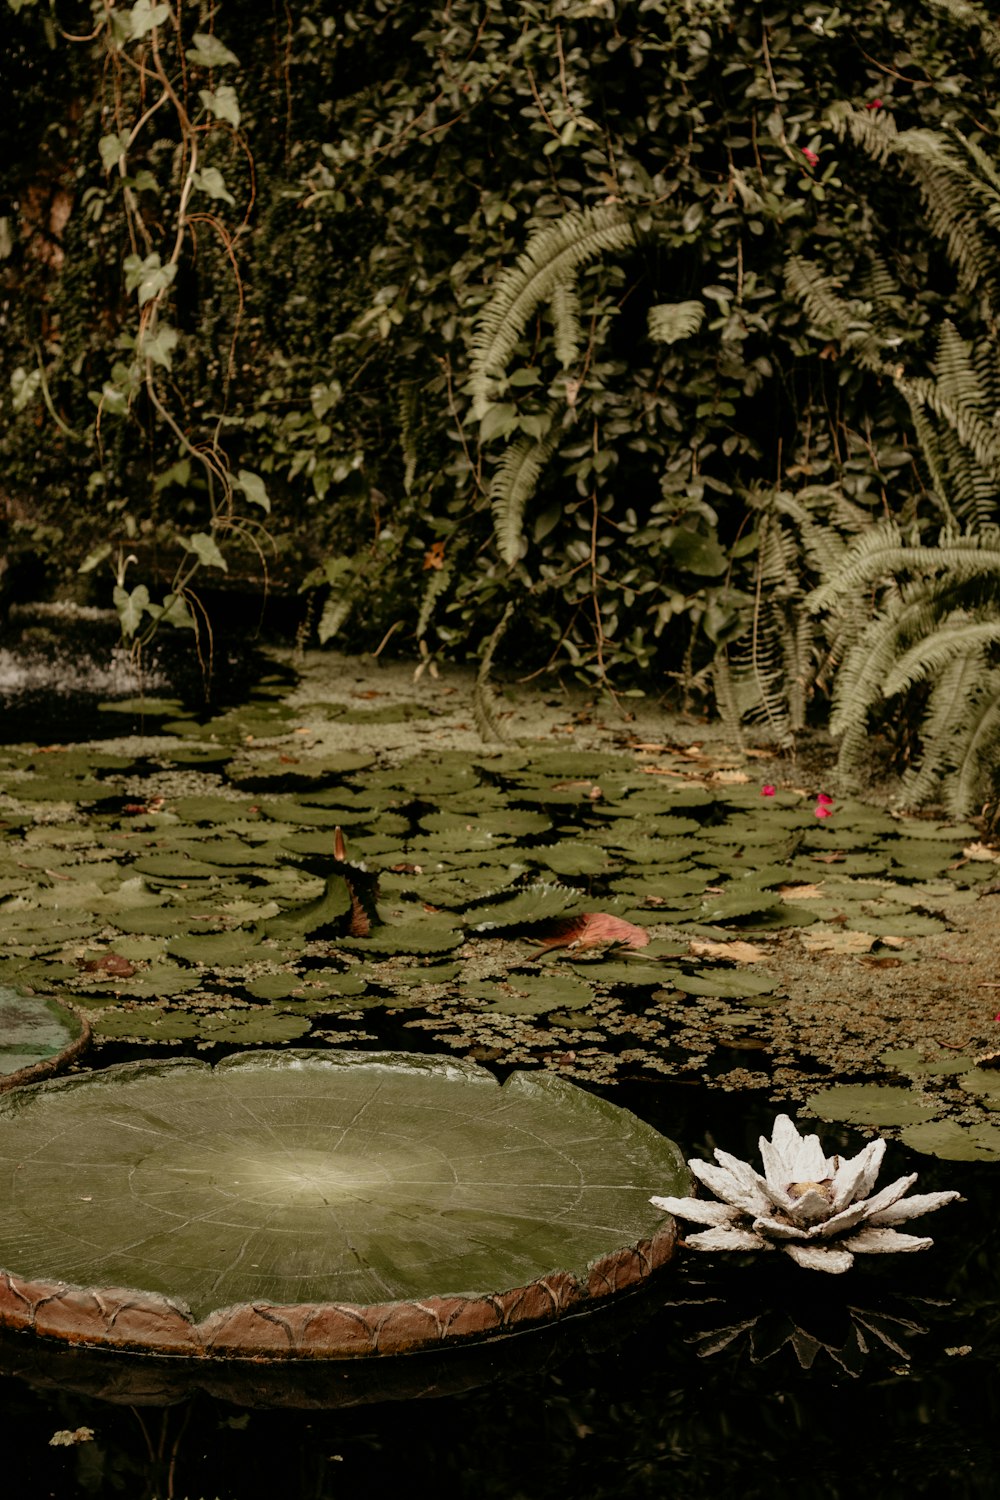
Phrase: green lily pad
[314,916]
[531,994]
[572,857]
[310,986]
[954,1142]
[405,937]
[871,1104]
[37,1034]
[531,904]
[344,1183]
[221,950]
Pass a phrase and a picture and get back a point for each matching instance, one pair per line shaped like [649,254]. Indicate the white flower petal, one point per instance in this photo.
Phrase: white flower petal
[855,1178]
[752,1181]
[810,1207]
[820,1258]
[726,1239]
[778,1229]
[855,1213]
[725,1186]
[912,1208]
[698,1210]
[886,1196]
[788,1157]
[871,1241]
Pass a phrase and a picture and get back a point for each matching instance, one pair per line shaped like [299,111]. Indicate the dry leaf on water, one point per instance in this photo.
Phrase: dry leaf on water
[836,940]
[739,952]
[800,892]
[980,851]
[592,929]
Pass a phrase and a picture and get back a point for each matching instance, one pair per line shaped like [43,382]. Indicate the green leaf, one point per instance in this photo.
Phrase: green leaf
[147,277]
[498,421]
[158,345]
[209,52]
[112,149]
[222,103]
[206,550]
[131,607]
[144,16]
[695,553]
[212,182]
[672,321]
[253,488]
[94,558]
[178,473]
[24,386]
[177,612]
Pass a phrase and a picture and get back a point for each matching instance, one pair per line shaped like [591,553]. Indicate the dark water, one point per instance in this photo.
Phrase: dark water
[728,1375]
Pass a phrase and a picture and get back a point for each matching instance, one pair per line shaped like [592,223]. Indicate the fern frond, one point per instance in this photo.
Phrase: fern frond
[484,695]
[973,15]
[831,313]
[671,321]
[437,584]
[974,767]
[881,553]
[566,322]
[873,130]
[947,707]
[955,638]
[978,435]
[513,485]
[551,258]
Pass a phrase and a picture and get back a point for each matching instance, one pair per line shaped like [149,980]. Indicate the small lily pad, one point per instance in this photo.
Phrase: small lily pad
[871,1104]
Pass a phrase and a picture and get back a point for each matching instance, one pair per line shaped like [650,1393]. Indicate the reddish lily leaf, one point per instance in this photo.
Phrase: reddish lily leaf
[592,929]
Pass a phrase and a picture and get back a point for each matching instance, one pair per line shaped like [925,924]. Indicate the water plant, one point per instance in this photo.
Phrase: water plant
[820,1210]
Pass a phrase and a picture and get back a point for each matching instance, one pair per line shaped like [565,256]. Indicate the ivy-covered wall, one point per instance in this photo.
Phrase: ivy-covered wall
[340,192]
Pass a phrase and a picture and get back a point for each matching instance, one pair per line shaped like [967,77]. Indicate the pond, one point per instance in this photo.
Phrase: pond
[180,878]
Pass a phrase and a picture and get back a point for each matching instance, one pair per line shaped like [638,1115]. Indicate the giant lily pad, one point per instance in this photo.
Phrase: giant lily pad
[37,1036]
[319,1204]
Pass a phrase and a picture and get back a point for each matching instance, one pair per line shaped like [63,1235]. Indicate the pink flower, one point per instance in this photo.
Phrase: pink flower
[810,156]
[768,791]
[874,104]
[822,810]
[824,799]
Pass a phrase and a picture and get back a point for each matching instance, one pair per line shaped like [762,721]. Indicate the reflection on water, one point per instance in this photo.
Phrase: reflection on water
[739,1375]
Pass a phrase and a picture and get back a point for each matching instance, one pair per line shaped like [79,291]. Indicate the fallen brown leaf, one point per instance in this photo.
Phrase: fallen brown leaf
[981,851]
[834,940]
[592,929]
[739,952]
[800,892]
[108,963]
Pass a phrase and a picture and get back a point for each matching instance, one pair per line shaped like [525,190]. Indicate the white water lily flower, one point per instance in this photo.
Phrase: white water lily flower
[815,1208]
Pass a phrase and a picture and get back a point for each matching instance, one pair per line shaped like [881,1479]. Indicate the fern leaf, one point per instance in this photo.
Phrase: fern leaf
[566,322]
[551,258]
[484,696]
[511,488]
[956,637]
[973,772]
[670,322]
[437,584]
[947,707]
[830,312]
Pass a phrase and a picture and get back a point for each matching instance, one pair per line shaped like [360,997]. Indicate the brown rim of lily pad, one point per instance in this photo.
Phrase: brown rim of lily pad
[39,1035]
[320,1205]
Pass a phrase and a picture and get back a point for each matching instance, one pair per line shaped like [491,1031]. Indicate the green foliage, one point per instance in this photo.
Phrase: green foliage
[518,311]
[937,621]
